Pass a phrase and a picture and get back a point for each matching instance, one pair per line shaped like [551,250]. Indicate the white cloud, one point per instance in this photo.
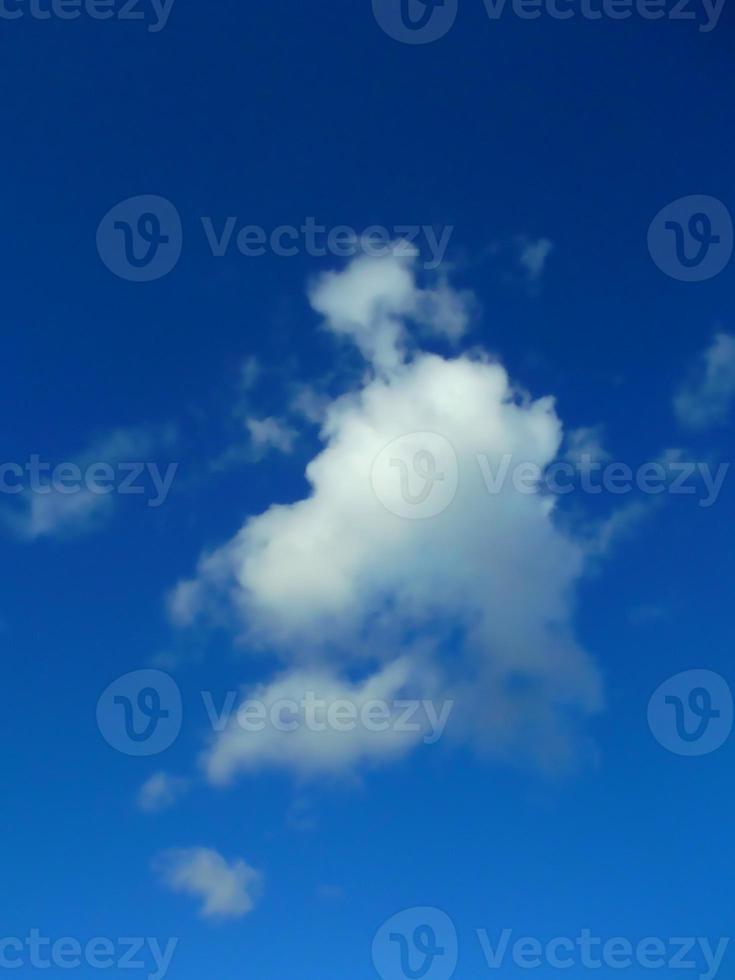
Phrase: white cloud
[584,445]
[309,403]
[161,791]
[622,523]
[372,300]
[54,513]
[227,889]
[271,433]
[263,436]
[708,396]
[250,373]
[533,257]
[475,604]
[309,750]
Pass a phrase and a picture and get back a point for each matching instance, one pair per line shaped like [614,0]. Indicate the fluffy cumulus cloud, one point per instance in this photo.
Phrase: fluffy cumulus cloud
[709,395]
[408,572]
[374,299]
[228,890]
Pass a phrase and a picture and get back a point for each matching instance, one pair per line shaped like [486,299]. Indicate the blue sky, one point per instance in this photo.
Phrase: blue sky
[544,150]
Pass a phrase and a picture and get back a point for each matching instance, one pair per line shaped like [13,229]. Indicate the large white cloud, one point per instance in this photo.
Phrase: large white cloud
[477,599]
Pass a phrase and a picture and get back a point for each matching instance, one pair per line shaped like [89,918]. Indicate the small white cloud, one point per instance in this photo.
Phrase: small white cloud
[228,890]
[55,515]
[621,524]
[271,433]
[263,436]
[708,396]
[250,372]
[373,298]
[53,512]
[533,257]
[584,445]
[161,791]
[308,403]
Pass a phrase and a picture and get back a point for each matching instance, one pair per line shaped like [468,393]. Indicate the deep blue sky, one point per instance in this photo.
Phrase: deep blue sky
[576,131]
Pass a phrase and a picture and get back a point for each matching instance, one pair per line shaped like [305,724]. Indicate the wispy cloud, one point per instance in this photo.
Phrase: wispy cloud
[77,496]
[707,397]
[533,256]
[585,445]
[161,791]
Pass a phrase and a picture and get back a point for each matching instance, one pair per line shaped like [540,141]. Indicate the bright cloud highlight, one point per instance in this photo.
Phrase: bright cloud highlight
[474,603]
